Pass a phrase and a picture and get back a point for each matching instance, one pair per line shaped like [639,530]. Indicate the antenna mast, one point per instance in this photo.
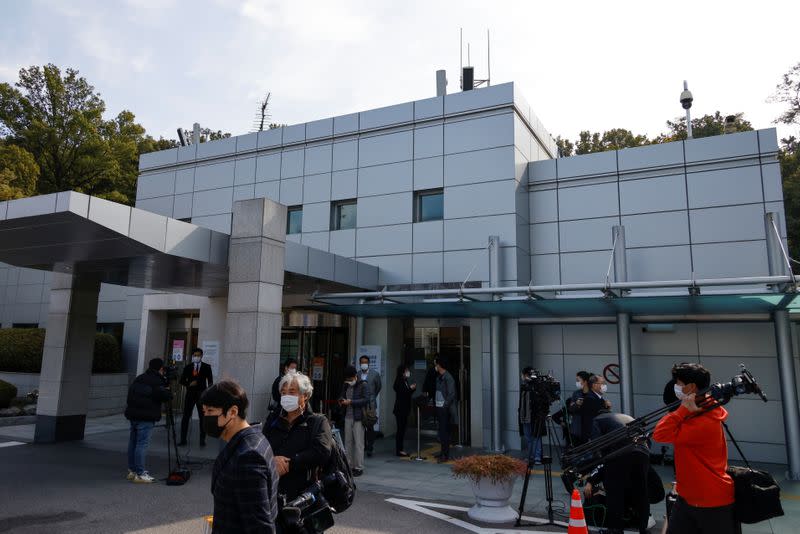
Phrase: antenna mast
[262,115]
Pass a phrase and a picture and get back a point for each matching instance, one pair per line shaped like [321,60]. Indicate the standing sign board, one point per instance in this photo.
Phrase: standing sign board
[374,353]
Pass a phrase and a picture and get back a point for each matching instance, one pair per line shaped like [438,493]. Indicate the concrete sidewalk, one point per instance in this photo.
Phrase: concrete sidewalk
[388,475]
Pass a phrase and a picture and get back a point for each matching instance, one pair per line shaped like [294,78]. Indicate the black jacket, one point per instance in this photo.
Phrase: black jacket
[244,484]
[605,423]
[204,379]
[592,404]
[307,443]
[145,396]
[402,399]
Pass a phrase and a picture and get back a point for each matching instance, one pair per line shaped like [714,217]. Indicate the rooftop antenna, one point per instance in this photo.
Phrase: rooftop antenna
[488,60]
[686,102]
[468,81]
[262,114]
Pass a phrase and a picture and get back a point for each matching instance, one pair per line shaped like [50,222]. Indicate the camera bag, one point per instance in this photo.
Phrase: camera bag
[344,497]
[756,493]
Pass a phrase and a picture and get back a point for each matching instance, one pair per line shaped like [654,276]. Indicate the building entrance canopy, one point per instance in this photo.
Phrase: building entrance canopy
[73,233]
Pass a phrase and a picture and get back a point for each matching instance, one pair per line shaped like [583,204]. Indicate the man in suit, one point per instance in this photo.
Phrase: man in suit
[196,378]
[373,380]
[590,404]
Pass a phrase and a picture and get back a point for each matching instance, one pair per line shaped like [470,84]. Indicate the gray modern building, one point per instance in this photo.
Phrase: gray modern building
[442,226]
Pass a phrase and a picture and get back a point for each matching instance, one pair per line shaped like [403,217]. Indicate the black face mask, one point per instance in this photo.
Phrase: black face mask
[211,427]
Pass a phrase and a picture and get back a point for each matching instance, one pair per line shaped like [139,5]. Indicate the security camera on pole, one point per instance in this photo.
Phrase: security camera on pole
[686,102]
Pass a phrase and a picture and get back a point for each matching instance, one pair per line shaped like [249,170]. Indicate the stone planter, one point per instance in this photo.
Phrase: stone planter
[491,504]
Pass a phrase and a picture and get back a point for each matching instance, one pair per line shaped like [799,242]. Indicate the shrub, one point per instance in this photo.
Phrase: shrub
[7,392]
[496,467]
[21,351]
[107,357]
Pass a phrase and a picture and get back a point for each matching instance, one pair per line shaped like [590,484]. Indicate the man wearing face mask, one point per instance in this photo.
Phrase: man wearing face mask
[301,440]
[373,380]
[705,490]
[244,481]
[591,404]
[355,396]
[290,367]
[195,378]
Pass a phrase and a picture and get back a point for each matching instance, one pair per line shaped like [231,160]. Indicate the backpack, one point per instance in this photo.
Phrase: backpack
[344,496]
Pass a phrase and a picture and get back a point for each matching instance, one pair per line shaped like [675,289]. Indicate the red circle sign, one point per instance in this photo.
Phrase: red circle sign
[611,373]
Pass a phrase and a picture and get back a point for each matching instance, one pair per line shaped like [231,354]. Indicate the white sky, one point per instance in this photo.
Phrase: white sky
[590,65]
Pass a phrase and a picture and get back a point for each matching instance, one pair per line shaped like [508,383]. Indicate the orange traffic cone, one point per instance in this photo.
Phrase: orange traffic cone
[577,523]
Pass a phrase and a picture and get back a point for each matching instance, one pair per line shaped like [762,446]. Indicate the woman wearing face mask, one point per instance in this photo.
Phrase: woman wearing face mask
[574,406]
[354,397]
[300,439]
[244,482]
[402,406]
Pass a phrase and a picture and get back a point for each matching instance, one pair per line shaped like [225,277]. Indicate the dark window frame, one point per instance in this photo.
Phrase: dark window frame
[289,211]
[418,196]
[336,218]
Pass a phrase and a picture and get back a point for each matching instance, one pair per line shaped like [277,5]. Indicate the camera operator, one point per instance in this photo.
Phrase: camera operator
[244,482]
[705,490]
[301,440]
[625,477]
[590,404]
[531,415]
[143,410]
[195,378]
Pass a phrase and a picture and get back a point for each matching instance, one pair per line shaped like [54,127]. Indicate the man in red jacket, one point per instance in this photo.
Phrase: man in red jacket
[705,502]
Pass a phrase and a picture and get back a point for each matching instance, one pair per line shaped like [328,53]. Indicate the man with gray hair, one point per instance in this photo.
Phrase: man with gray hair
[300,439]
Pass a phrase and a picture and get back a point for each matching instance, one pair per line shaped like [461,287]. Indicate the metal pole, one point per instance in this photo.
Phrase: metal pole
[623,324]
[496,325]
[359,330]
[791,413]
[419,457]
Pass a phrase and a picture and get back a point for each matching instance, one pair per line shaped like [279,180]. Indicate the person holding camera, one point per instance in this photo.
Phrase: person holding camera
[705,490]
[143,410]
[196,377]
[531,417]
[244,481]
[354,398]
[301,440]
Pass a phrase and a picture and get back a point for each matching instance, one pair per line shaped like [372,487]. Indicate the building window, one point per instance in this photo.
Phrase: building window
[115,329]
[294,220]
[429,205]
[343,215]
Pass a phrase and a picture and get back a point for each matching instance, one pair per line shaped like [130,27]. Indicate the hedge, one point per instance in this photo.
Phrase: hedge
[21,351]
[7,392]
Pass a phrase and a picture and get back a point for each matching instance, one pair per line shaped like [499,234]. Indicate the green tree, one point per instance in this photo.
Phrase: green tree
[705,126]
[18,172]
[58,118]
[207,134]
[589,142]
[789,157]
[788,91]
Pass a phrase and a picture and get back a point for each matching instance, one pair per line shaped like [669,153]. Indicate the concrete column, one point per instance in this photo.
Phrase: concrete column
[496,350]
[251,353]
[67,359]
[623,325]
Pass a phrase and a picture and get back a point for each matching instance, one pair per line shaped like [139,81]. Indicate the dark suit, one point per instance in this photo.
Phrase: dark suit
[204,379]
[592,404]
[402,407]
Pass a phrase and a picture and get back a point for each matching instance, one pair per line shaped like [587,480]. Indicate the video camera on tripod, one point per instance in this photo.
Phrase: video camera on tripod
[581,461]
[546,389]
[312,511]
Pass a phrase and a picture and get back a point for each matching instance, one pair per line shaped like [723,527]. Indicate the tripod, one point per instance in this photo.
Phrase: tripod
[180,475]
[547,464]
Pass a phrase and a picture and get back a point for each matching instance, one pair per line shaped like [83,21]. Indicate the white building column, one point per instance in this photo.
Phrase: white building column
[251,353]
[67,359]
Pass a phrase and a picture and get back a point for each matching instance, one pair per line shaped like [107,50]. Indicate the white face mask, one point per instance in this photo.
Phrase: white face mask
[290,403]
[407,374]
[679,392]
[292,371]
[603,388]
[578,385]
[195,359]
[364,366]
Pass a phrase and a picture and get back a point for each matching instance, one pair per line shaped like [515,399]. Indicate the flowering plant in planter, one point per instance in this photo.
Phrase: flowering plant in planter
[498,468]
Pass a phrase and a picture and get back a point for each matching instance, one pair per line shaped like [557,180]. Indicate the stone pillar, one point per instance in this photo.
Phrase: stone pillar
[251,353]
[67,359]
